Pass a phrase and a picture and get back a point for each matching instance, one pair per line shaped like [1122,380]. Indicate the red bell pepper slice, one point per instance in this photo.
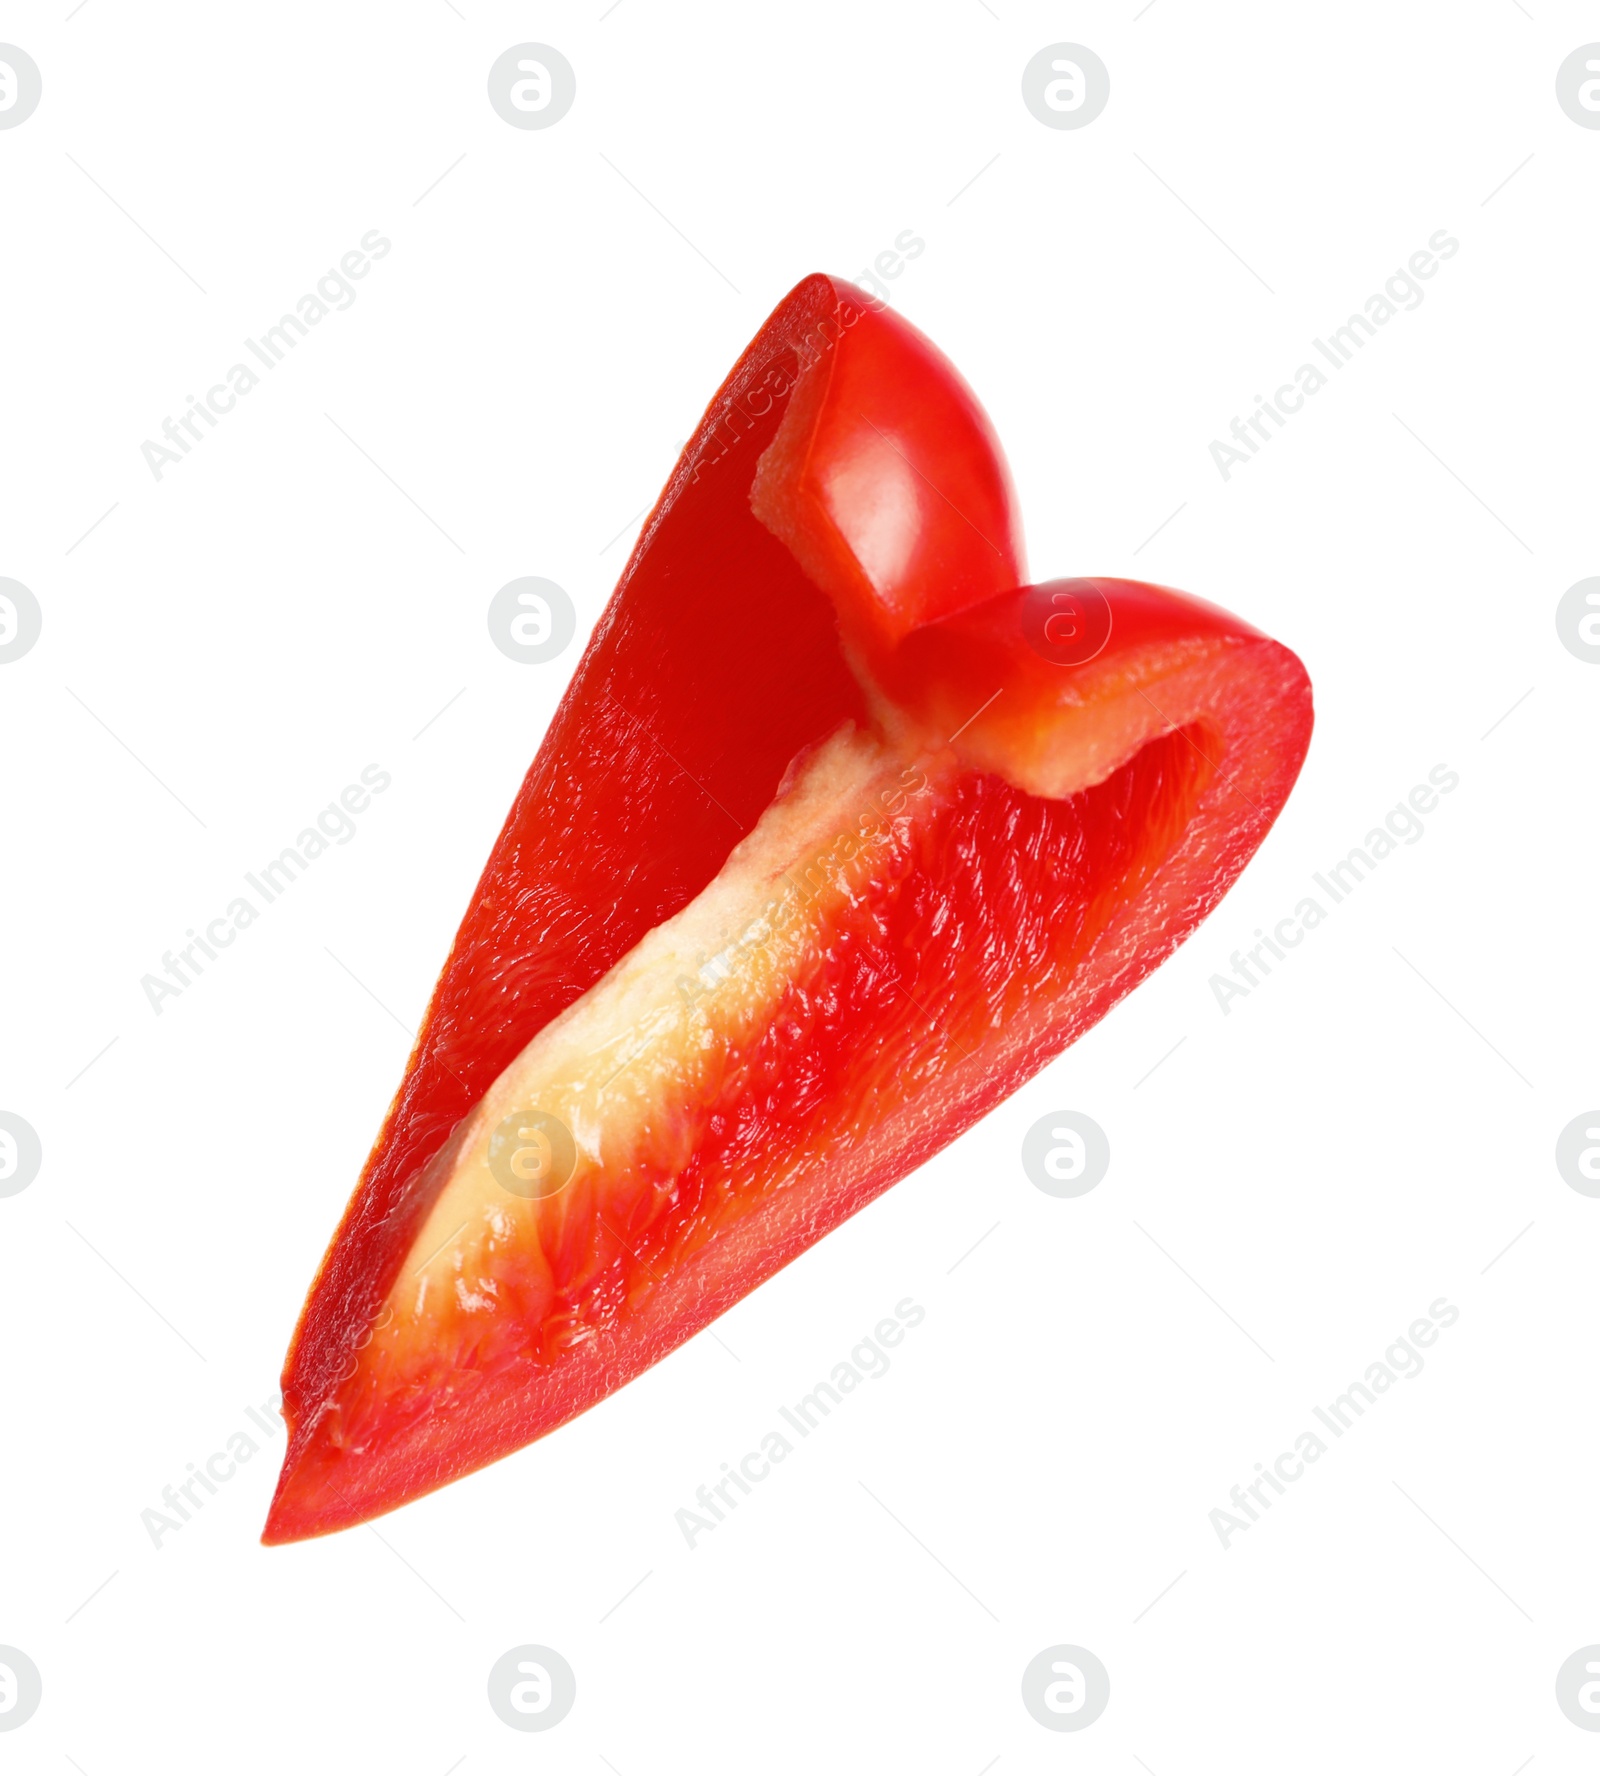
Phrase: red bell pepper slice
[839,834]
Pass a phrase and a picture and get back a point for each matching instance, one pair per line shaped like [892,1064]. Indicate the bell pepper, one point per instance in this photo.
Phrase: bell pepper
[841,832]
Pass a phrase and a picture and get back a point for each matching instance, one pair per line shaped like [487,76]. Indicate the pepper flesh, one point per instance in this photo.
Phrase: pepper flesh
[819,861]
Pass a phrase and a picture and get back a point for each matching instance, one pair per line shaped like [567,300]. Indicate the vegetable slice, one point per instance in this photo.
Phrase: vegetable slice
[826,851]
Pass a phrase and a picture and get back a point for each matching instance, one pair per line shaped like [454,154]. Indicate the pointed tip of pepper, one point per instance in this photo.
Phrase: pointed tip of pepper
[310,1502]
[297,1512]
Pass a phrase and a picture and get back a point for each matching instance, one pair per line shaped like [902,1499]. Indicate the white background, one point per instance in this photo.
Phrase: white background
[1365,1133]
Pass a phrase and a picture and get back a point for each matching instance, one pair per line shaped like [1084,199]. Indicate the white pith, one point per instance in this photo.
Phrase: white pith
[622,1064]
